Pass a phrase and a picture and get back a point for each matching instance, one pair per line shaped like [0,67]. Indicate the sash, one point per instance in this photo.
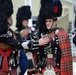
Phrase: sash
[5,51]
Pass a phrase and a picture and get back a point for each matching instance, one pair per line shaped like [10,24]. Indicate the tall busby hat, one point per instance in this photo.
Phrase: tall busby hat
[48,9]
[56,5]
[46,12]
[24,12]
[6,10]
[7,7]
[46,2]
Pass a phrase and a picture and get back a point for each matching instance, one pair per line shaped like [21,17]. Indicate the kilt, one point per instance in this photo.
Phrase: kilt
[12,72]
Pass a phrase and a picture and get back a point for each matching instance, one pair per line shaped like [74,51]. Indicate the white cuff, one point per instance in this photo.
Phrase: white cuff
[24,44]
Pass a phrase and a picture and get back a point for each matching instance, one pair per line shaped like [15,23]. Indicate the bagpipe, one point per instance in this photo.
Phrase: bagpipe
[38,61]
[24,32]
[27,34]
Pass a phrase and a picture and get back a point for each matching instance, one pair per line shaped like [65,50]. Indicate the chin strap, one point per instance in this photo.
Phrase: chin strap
[54,29]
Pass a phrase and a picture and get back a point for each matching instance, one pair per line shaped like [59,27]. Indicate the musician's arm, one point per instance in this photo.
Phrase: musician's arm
[35,44]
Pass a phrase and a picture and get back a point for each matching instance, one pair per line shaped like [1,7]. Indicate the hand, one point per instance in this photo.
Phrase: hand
[24,33]
[43,41]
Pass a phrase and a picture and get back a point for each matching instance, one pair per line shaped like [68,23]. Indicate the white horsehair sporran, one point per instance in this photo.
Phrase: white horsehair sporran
[49,70]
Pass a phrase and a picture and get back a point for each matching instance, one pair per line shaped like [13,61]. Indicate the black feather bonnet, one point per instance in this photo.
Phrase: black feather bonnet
[6,10]
[49,9]
[24,12]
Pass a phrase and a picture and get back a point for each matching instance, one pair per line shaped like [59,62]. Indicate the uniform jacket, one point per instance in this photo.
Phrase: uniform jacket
[8,52]
[65,53]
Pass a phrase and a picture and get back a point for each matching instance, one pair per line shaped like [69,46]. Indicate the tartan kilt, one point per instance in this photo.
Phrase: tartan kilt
[12,72]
